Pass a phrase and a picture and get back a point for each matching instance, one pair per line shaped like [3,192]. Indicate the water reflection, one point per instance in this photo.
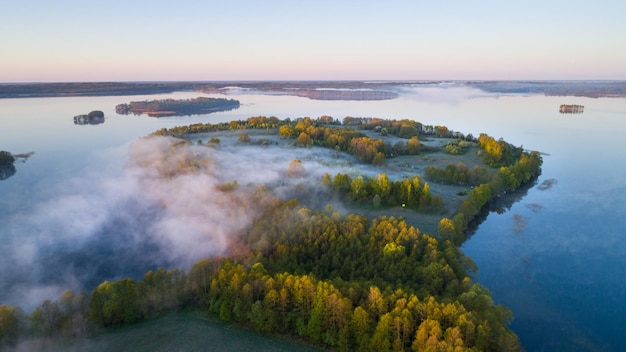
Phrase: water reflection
[6,171]
[7,160]
[88,120]
[499,205]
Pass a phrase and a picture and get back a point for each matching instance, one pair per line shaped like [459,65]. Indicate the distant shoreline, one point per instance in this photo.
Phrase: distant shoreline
[318,90]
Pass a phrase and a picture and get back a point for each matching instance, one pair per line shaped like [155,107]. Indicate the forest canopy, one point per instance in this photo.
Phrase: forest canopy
[6,158]
[335,279]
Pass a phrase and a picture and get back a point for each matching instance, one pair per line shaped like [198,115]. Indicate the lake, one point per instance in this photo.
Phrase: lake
[556,257]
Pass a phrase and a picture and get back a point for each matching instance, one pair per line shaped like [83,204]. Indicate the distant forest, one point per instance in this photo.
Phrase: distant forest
[337,89]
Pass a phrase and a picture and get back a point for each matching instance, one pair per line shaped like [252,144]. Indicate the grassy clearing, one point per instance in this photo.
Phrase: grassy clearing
[185,331]
[396,168]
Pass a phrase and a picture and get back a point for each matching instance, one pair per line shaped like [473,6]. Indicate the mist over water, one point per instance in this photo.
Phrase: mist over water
[126,218]
[90,204]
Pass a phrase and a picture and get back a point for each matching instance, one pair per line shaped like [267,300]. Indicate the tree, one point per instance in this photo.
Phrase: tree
[413,146]
[358,188]
[379,159]
[361,326]
[448,231]
[286,131]
[381,339]
[6,158]
[383,187]
[376,201]
[342,183]
[9,324]
[304,139]
[375,303]
[114,303]
[47,319]
[296,169]
[244,138]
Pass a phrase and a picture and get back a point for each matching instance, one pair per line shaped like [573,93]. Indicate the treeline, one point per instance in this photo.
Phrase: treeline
[168,107]
[340,282]
[494,153]
[507,178]
[459,174]
[20,90]
[498,153]
[400,128]
[323,131]
[368,150]
[379,191]
[255,122]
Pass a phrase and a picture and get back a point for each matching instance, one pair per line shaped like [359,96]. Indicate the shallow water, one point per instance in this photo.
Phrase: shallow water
[556,257]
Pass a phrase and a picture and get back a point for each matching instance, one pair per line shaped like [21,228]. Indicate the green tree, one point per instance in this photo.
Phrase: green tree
[361,325]
[9,324]
[114,303]
[358,188]
[244,138]
[447,230]
[383,187]
[6,157]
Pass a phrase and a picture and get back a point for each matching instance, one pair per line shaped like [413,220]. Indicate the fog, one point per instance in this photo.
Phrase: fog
[135,208]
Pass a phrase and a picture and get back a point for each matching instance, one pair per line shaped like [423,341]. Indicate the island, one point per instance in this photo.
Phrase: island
[571,109]
[7,169]
[94,117]
[180,107]
[347,237]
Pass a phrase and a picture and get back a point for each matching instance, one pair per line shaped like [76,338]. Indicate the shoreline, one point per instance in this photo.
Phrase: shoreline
[319,90]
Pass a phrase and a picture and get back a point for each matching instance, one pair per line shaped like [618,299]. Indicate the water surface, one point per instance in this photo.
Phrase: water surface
[556,257]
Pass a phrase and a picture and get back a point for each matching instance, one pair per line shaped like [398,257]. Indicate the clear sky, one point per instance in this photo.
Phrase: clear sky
[82,40]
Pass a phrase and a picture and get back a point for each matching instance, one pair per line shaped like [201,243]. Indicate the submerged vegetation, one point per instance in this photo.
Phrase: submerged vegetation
[332,278]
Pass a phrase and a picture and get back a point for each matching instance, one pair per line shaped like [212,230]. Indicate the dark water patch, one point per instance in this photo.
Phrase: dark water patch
[121,248]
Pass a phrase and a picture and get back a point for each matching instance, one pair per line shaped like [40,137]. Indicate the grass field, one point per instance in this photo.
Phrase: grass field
[186,331]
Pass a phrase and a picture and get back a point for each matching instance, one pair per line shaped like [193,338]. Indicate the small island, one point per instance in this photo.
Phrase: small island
[571,109]
[7,169]
[95,117]
[181,107]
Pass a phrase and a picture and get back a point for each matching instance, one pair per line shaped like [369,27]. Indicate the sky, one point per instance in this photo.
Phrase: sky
[158,40]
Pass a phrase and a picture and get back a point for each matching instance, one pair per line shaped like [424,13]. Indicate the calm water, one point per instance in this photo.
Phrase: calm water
[556,257]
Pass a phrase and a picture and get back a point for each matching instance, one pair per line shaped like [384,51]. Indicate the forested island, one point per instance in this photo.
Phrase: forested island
[7,169]
[174,107]
[364,278]
[571,109]
[94,117]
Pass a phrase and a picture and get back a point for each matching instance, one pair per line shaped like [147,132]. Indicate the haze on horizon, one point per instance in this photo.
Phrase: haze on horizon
[70,40]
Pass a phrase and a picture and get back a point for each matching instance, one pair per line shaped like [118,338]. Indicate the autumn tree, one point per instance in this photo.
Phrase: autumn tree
[413,146]
[244,138]
[296,169]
